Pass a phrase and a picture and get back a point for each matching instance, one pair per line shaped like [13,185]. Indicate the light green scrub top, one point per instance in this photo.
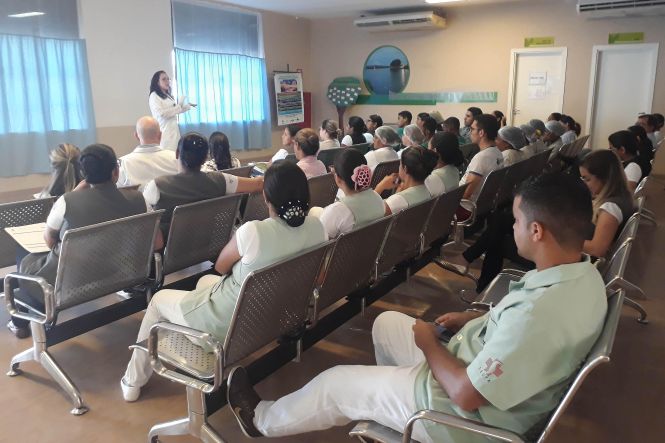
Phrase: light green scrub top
[521,354]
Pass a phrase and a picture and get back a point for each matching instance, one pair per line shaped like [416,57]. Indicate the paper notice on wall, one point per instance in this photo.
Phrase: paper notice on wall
[288,93]
[537,78]
[537,92]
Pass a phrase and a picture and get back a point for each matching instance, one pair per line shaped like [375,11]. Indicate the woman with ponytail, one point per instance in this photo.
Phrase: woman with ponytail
[360,205]
[255,245]
[65,171]
[416,165]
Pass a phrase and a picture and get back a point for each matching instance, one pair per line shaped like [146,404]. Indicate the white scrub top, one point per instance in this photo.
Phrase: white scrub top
[165,111]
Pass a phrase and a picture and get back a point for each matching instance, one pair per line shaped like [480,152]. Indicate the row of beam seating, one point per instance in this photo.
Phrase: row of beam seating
[126,262]
[612,270]
[496,192]
[292,302]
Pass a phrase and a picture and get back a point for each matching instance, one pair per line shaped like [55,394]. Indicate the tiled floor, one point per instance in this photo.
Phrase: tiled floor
[621,402]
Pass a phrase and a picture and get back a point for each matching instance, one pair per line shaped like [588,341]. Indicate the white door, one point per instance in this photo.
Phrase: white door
[537,79]
[621,87]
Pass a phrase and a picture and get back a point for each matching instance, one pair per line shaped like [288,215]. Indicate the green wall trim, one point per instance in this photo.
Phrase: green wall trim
[428,98]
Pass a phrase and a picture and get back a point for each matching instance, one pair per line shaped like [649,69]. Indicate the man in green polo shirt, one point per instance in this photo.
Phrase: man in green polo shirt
[507,368]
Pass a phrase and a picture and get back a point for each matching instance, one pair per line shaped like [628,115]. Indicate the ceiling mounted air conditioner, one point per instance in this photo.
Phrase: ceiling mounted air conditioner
[426,20]
[620,8]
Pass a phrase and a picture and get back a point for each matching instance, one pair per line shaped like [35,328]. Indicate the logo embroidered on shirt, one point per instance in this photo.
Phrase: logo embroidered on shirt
[492,370]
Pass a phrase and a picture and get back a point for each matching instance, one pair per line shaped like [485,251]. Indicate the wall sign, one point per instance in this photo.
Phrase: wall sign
[620,38]
[530,42]
[288,94]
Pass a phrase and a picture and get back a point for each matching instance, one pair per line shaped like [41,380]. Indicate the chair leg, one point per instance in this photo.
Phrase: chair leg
[175,427]
[64,381]
[209,435]
[638,307]
[27,355]
[649,218]
[629,287]
[195,424]
[456,269]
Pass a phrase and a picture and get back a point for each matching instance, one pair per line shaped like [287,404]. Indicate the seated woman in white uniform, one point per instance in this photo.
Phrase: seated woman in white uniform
[255,245]
[360,205]
[612,201]
[412,136]
[445,177]
[356,132]
[416,164]
[385,142]
[636,166]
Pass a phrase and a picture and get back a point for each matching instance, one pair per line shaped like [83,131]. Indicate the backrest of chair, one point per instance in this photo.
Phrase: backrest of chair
[130,187]
[241,171]
[383,169]
[199,231]
[291,158]
[255,208]
[616,265]
[640,186]
[599,354]
[403,239]
[364,148]
[273,303]
[469,150]
[490,188]
[540,161]
[352,262]
[439,223]
[322,190]
[100,259]
[328,156]
[515,175]
[20,214]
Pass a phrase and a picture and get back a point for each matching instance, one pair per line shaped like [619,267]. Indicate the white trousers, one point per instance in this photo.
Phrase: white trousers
[383,393]
[164,306]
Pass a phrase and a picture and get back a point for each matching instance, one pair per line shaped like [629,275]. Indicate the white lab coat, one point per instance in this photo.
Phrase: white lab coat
[165,111]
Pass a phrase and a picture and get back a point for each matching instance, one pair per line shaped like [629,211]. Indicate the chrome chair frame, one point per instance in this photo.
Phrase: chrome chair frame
[73,287]
[598,355]
[276,297]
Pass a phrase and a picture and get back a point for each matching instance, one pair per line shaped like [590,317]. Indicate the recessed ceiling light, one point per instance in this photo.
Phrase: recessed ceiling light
[442,1]
[26,14]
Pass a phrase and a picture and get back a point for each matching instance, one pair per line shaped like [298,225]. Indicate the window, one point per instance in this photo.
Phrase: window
[220,66]
[45,96]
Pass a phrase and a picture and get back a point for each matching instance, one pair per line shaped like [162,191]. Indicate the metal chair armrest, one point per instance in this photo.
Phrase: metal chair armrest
[177,377]
[472,218]
[159,271]
[513,272]
[460,423]
[47,291]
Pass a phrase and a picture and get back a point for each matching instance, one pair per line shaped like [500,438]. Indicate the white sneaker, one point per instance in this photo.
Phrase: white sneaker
[129,393]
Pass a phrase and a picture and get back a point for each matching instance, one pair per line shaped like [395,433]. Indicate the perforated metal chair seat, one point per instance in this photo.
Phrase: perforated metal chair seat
[179,352]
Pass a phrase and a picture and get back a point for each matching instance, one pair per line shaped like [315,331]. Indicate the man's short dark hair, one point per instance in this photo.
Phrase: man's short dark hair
[406,115]
[192,150]
[660,120]
[422,115]
[97,163]
[489,124]
[452,123]
[562,203]
[475,111]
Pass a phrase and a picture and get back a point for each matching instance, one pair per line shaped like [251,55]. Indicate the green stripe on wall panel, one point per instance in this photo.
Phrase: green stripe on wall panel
[428,98]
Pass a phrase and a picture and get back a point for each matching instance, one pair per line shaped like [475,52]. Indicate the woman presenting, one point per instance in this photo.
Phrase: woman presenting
[165,109]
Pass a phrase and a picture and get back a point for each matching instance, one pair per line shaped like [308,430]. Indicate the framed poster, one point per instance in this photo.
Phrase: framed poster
[288,93]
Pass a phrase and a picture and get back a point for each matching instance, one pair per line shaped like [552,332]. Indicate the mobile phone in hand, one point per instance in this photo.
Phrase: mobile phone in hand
[442,332]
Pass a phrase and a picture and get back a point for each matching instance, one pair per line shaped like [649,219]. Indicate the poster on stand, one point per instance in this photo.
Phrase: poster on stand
[288,93]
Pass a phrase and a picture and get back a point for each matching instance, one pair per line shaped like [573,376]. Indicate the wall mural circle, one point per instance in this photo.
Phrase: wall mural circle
[386,70]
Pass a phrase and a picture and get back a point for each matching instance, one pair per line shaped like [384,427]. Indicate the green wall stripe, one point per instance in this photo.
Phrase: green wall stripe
[428,98]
